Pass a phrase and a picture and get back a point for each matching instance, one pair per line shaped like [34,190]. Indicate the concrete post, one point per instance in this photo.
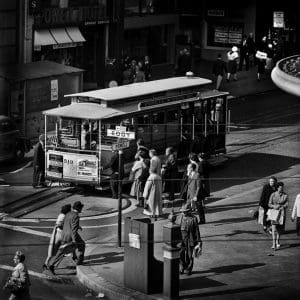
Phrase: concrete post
[172,236]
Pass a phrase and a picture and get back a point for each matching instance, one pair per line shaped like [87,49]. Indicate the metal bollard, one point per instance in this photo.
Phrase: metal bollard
[171,235]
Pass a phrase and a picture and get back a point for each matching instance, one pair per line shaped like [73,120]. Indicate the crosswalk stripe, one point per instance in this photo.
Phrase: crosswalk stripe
[32,273]
[25,230]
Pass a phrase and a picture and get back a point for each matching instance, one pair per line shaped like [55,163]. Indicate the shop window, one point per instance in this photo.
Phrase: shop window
[151,41]
[224,34]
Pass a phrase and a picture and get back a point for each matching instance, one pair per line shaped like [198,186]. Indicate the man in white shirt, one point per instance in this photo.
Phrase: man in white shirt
[296,213]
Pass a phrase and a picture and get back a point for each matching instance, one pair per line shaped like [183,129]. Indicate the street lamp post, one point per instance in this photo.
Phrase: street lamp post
[120,200]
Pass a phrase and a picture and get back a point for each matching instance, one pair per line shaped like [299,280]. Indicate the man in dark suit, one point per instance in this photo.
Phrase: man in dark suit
[219,68]
[267,190]
[114,178]
[244,53]
[190,239]
[39,163]
[71,240]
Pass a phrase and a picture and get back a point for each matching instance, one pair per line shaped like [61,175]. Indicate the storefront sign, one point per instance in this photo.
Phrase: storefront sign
[54,90]
[231,35]
[134,241]
[216,13]
[278,19]
[54,165]
[87,15]
[66,45]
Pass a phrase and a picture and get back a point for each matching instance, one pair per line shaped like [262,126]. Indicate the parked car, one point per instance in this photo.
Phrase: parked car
[12,144]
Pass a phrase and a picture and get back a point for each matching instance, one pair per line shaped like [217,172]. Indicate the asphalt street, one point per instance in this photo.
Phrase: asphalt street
[263,141]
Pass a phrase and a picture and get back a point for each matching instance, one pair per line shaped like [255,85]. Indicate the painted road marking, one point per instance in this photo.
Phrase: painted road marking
[129,209]
[83,227]
[32,273]
[25,230]
[21,169]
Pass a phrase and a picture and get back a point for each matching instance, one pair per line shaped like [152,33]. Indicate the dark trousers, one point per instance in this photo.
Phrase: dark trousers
[200,209]
[298,225]
[38,176]
[243,57]
[114,182]
[186,258]
[80,246]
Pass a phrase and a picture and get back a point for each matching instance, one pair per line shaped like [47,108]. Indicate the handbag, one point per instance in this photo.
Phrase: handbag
[261,212]
[273,214]
[13,286]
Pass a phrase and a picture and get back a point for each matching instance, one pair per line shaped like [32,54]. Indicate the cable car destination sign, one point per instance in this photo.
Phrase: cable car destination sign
[121,133]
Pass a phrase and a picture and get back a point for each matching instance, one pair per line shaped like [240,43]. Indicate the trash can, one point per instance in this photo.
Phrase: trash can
[142,272]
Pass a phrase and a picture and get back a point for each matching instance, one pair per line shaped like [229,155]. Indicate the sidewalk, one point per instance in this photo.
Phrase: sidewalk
[246,84]
[235,261]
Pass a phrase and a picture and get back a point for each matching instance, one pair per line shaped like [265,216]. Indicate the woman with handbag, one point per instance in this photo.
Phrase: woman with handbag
[278,204]
[18,284]
[55,240]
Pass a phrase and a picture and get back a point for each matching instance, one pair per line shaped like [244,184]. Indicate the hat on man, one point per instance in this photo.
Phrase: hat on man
[77,205]
[234,49]
[185,208]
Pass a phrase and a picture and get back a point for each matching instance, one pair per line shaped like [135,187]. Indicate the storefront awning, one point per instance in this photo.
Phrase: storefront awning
[75,34]
[58,37]
[43,38]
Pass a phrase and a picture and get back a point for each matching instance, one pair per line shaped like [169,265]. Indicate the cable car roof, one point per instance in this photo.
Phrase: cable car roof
[95,111]
[143,88]
[90,111]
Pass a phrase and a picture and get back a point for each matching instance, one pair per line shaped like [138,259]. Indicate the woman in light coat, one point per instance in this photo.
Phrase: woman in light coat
[55,239]
[152,195]
[278,201]
[138,176]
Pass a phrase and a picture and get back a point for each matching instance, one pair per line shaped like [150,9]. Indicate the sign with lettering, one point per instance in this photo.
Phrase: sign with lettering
[84,15]
[54,165]
[216,12]
[130,135]
[134,241]
[278,19]
[120,145]
[54,90]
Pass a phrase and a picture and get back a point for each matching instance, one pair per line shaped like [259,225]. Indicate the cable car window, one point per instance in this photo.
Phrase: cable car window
[172,116]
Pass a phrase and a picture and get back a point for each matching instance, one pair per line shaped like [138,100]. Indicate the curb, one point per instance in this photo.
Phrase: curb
[87,276]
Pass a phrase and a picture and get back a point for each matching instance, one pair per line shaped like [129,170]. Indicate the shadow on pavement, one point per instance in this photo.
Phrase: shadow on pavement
[231,221]
[191,283]
[227,292]
[250,167]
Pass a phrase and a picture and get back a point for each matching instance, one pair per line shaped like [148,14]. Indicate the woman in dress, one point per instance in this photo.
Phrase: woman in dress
[232,57]
[152,195]
[55,239]
[20,277]
[139,174]
[279,201]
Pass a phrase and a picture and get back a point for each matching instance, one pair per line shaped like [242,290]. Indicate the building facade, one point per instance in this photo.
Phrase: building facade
[71,32]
